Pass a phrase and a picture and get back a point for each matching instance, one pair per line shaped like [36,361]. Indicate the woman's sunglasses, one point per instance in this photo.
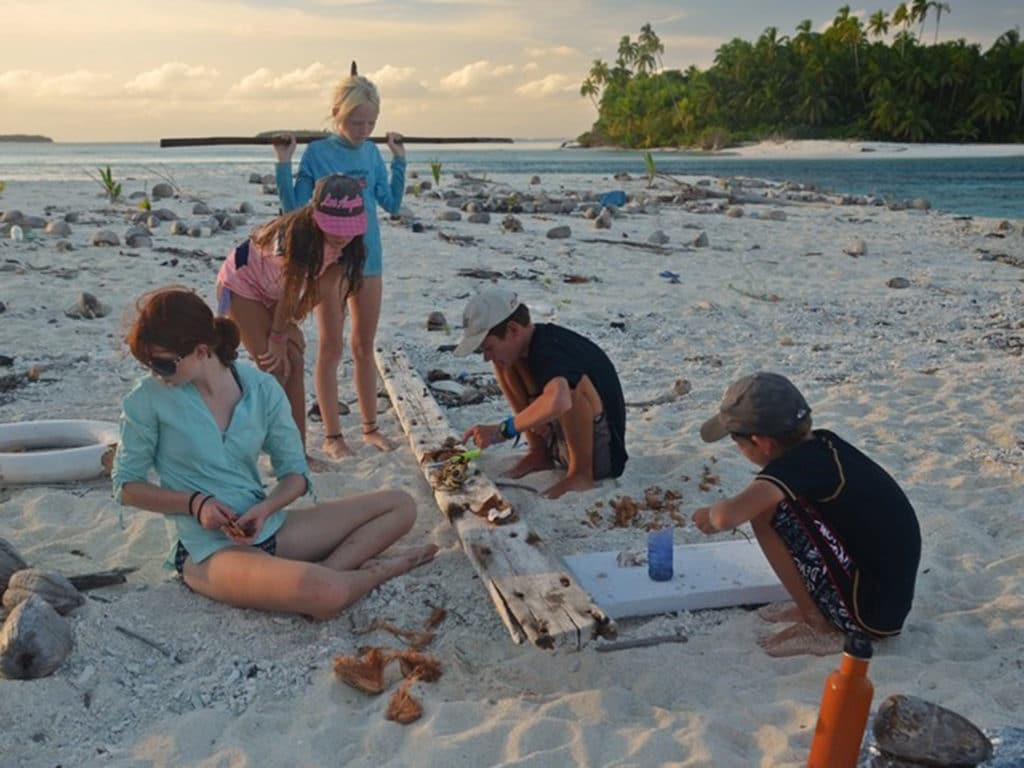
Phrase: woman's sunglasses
[165,367]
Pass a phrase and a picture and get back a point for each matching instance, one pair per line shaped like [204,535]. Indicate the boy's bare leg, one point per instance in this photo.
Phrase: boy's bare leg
[517,385]
[578,427]
[813,634]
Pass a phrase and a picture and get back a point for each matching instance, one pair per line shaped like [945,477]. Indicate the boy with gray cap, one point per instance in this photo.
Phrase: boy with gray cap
[564,392]
[837,529]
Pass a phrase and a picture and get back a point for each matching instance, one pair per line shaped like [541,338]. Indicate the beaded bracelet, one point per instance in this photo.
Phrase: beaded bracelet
[278,338]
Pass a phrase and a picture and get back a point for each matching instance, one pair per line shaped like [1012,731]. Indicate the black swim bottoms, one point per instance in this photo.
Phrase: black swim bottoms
[267,545]
[558,449]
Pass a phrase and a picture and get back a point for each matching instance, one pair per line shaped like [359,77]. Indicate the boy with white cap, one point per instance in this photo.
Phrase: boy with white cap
[563,390]
[837,529]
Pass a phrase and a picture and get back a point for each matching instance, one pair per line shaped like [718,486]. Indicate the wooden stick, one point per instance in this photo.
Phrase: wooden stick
[89,581]
[643,642]
[150,642]
[217,141]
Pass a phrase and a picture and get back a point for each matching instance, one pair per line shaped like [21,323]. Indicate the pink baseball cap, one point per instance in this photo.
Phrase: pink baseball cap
[338,206]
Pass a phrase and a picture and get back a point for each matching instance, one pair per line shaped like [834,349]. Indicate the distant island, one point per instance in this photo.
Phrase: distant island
[849,81]
[26,138]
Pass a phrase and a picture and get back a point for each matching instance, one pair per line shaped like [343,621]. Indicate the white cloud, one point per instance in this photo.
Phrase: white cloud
[558,50]
[475,75]
[299,82]
[172,78]
[398,82]
[28,84]
[531,66]
[548,86]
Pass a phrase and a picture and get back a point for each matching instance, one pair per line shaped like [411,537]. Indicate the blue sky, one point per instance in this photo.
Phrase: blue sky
[116,70]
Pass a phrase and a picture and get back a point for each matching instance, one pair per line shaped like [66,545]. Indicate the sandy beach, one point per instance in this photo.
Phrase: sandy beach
[925,378]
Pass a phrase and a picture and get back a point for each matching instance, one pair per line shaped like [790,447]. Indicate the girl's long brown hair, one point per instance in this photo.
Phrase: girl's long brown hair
[174,318]
[300,242]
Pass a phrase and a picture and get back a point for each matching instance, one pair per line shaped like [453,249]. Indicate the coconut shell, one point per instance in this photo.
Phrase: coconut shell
[34,640]
[10,562]
[922,733]
[50,586]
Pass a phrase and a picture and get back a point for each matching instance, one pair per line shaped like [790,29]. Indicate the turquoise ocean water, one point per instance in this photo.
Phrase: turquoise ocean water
[976,186]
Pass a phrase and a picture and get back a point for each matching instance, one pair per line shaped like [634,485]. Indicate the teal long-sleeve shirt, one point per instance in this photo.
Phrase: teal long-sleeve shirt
[335,155]
[171,429]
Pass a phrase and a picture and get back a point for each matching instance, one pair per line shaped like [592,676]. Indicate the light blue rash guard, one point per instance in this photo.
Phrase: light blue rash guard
[171,429]
[335,155]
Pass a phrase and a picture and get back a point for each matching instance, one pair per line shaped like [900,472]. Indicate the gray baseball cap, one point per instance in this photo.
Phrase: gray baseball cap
[760,404]
[484,311]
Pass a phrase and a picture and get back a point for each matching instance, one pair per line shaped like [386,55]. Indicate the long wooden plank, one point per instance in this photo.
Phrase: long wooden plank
[537,598]
[306,138]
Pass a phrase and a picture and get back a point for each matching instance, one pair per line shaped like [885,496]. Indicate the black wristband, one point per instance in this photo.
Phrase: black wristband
[191,501]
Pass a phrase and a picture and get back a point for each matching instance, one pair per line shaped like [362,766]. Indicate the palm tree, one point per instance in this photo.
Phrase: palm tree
[878,25]
[628,51]
[650,44]
[901,18]
[918,13]
[940,8]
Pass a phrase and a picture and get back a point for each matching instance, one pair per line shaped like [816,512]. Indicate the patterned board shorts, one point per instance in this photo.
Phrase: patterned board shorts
[267,545]
[824,564]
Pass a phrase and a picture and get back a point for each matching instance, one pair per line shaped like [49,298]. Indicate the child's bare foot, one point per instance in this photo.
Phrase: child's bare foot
[802,639]
[378,441]
[316,465]
[780,612]
[403,561]
[336,448]
[567,485]
[534,461]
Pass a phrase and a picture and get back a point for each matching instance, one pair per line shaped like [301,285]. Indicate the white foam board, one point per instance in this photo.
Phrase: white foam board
[716,575]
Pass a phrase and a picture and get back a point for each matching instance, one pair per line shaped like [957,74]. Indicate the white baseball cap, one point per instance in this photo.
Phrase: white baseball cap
[484,311]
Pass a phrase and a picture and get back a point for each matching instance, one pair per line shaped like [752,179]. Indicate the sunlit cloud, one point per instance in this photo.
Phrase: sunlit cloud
[398,82]
[172,78]
[558,50]
[551,85]
[80,83]
[475,75]
[299,82]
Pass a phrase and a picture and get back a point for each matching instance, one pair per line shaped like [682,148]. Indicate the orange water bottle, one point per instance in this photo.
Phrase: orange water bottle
[843,714]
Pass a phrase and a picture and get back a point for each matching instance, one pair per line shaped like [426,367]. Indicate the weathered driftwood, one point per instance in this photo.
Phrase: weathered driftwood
[10,562]
[101,579]
[34,640]
[643,642]
[306,138]
[535,595]
[51,586]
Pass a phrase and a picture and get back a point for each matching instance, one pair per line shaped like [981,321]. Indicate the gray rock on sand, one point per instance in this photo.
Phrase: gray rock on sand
[88,307]
[701,240]
[58,228]
[559,233]
[734,212]
[179,228]
[920,204]
[71,217]
[480,217]
[202,209]
[856,248]
[449,216]
[161,190]
[105,237]
[254,178]
[152,221]
[13,217]
[898,282]
[246,208]
[165,214]
[35,222]
[590,211]
[535,179]
[775,215]
[657,237]
[138,237]
[34,641]
[63,246]
[511,224]
[603,220]
[436,321]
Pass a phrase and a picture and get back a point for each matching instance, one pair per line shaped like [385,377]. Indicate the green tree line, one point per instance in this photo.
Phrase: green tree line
[845,82]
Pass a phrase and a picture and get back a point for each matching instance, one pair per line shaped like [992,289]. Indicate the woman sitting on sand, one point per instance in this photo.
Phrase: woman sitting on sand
[201,420]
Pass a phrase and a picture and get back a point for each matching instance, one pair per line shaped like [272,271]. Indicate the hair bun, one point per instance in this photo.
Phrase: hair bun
[228,338]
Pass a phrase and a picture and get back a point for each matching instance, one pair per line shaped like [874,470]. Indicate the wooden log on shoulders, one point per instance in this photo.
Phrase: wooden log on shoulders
[536,596]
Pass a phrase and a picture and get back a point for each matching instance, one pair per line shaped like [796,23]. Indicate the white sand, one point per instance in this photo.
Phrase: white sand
[925,379]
